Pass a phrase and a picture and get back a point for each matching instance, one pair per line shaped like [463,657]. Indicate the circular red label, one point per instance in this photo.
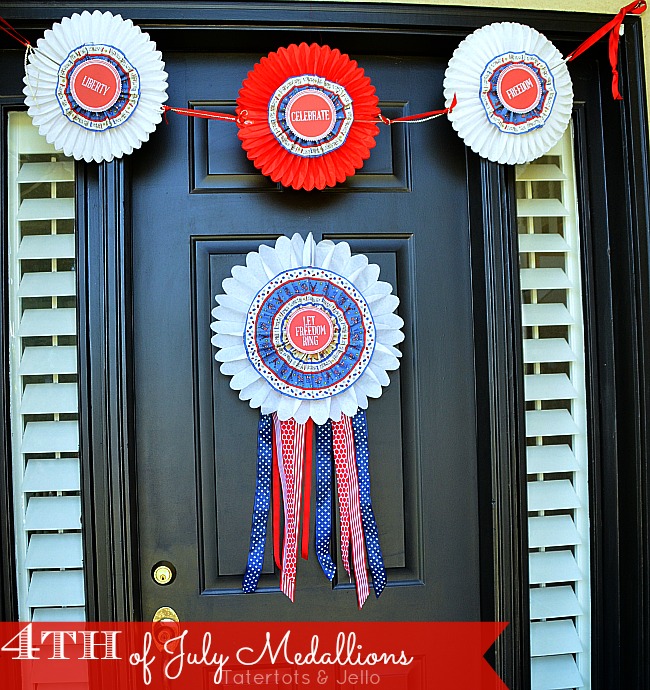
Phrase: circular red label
[310,330]
[95,85]
[310,115]
[519,89]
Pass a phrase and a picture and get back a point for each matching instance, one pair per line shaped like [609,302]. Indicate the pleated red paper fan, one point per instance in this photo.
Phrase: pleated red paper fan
[307,116]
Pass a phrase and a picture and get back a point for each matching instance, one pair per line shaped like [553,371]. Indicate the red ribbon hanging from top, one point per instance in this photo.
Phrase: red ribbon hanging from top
[14,33]
[614,29]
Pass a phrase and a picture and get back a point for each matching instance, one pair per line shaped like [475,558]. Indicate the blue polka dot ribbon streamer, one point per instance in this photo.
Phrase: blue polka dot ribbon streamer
[324,499]
[375,558]
[262,504]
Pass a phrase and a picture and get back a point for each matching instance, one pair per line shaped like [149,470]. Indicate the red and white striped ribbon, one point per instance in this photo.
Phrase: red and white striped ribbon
[343,488]
[345,456]
[290,444]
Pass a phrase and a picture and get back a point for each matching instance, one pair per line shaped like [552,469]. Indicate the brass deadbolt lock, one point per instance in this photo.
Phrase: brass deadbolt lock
[163,573]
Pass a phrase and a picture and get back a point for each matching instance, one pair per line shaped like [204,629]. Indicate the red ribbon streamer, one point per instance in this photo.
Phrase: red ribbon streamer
[292,448]
[277,548]
[343,490]
[309,433]
[14,33]
[349,503]
[614,29]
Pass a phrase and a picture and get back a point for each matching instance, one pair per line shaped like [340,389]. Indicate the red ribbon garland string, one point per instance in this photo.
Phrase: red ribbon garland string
[614,29]
[207,114]
[242,118]
[14,33]
[420,117]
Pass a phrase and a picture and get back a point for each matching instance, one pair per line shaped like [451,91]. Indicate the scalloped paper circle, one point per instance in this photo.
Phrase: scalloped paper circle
[95,85]
[514,91]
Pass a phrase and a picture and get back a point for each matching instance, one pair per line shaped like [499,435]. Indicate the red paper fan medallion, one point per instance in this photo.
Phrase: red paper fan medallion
[307,116]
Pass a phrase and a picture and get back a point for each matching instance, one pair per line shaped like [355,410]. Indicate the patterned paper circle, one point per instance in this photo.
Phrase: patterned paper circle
[309,333]
[97,87]
[517,92]
[310,116]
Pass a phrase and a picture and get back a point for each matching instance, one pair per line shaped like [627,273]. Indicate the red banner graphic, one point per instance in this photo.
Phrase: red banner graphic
[137,656]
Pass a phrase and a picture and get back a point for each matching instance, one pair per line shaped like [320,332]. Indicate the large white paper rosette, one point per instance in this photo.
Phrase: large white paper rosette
[95,86]
[514,93]
[307,330]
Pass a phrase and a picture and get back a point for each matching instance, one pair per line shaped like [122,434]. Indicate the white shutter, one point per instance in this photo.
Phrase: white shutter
[43,375]
[554,386]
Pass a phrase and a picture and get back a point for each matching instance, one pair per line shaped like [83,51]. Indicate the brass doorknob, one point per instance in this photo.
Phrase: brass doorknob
[165,614]
[165,628]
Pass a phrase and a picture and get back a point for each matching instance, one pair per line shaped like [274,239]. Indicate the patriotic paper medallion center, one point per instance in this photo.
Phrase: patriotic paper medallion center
[309,333]
[97,87]
[519,89]
[517,92]
[310,330]
[310,115]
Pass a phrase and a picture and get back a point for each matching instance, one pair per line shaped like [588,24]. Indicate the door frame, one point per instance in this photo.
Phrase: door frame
[615,220]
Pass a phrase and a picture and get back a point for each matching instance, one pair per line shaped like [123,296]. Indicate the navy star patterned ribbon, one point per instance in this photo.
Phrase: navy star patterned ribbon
[375,558]
[324,499]
[262,504]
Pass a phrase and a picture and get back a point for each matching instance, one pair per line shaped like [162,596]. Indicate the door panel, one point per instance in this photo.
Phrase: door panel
[198,207]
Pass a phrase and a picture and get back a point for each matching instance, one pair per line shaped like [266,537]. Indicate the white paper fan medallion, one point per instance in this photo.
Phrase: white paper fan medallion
[514,93]
[307,330]
[95,86]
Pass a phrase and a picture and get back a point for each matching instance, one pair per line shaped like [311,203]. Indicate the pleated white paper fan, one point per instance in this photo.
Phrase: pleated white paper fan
[95,86]
[514,92]
[307,330]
